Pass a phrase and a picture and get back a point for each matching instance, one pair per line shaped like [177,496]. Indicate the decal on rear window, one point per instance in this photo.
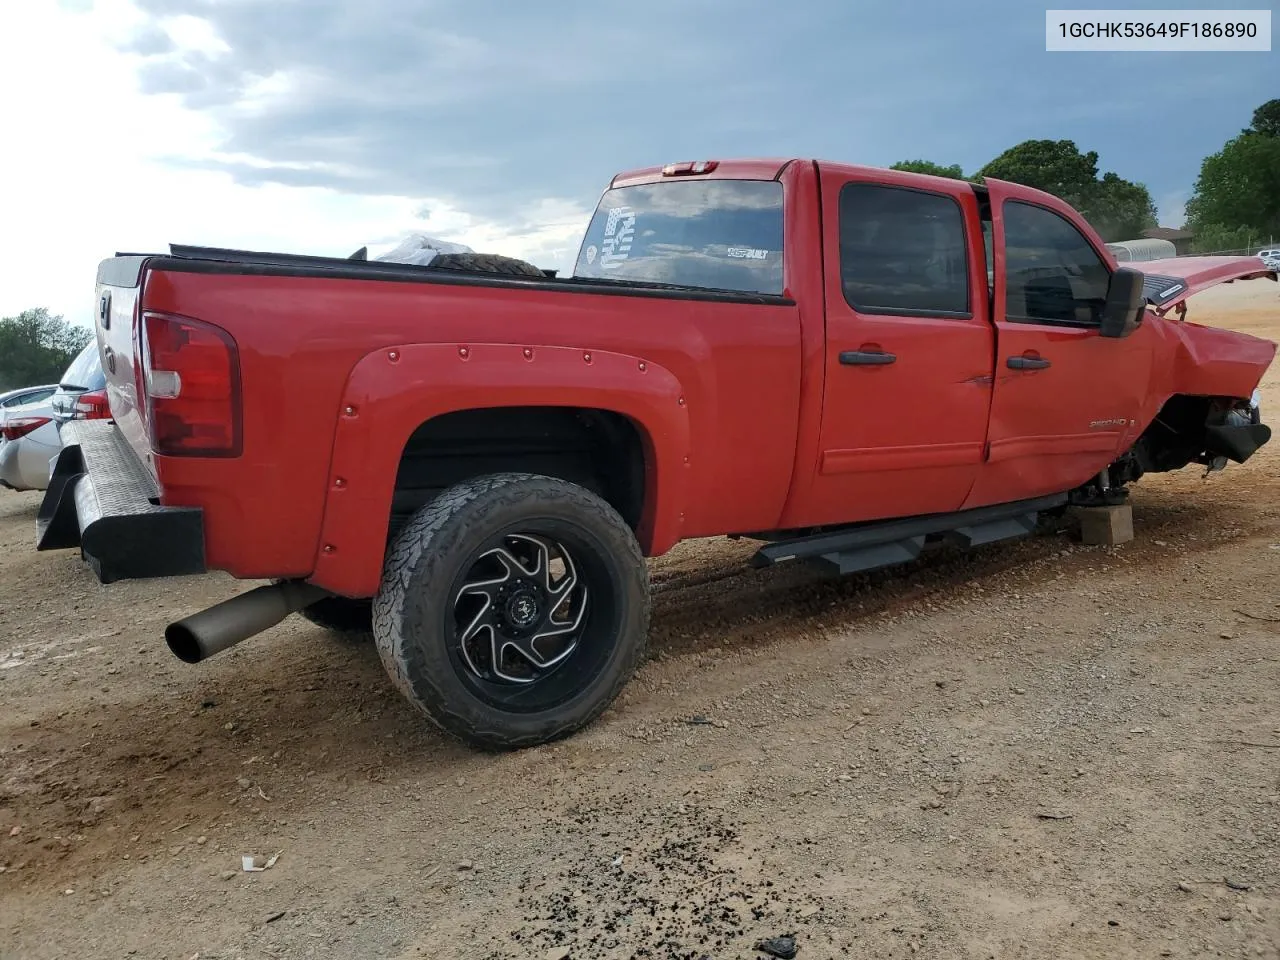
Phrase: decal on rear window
[619,230]
[714,234]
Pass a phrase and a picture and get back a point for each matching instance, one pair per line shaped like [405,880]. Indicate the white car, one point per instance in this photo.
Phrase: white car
[30,435]
[28,441]
[19,398]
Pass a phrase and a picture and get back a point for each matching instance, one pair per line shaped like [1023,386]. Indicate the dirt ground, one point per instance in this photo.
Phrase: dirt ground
[1031,750]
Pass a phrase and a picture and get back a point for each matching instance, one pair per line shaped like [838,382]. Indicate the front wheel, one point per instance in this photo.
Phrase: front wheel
[513,609]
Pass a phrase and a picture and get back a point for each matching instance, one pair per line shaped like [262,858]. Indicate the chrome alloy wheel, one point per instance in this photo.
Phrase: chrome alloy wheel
[520,610]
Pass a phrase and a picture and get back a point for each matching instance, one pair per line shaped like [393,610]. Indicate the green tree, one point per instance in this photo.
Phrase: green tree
[1214,238]
[1120,210]
[1239,186]
[1117,208]
[928,166]
[1054,166]
[36,347]
[1266,119]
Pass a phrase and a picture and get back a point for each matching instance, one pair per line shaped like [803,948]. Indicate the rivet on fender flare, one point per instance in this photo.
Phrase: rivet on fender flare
[643,366]
[349,410]
[341,483]
[528,353]
[394,356]
[330,548]
[681,401]
[463,352]
[586,357]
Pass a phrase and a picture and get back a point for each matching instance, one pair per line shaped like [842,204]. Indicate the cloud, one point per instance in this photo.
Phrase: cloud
[323,125]
[171,76]
[150,41]
[496,105]
[124,171]
[493,105]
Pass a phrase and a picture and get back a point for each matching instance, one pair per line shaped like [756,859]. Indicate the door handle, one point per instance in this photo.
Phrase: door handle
[1028,363]
[867,358]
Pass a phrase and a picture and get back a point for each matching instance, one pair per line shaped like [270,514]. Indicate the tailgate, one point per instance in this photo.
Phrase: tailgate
[1170,282]
[119,289]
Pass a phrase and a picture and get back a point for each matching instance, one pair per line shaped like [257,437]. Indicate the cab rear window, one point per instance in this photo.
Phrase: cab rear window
[715,234]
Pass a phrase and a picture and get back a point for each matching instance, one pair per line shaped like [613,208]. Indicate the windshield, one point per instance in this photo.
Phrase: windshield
[717,234]
[85,372]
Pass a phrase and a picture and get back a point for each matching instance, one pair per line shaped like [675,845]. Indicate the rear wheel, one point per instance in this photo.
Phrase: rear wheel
[513,609]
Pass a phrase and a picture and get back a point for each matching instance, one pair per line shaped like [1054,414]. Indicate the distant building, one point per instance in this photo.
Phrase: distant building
[1129,250]
[1181,239]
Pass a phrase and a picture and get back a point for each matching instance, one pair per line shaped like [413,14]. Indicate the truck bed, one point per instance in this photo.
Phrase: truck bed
[215,260]
[313,335]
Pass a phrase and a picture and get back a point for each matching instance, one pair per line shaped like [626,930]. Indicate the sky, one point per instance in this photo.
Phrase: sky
[320,126]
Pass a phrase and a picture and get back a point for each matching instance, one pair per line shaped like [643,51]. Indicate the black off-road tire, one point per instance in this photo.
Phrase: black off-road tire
[415,624]
[486,263]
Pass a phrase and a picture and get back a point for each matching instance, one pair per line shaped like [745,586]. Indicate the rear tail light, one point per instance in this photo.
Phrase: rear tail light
[191,374]
[18,428]
[92,406]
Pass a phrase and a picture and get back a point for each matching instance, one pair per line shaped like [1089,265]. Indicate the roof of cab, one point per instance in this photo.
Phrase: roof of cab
[770,168]
[745,169]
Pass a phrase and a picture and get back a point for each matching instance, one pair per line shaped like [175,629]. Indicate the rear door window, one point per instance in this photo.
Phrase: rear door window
[903,252]
[714,234]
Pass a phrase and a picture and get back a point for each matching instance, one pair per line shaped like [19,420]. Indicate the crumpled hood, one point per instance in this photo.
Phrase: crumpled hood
[1170,282]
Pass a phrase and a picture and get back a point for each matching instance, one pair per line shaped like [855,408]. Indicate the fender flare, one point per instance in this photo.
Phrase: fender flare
[391,392]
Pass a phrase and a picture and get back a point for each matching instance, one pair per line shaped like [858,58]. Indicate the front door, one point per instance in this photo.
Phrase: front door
[1066,399]
[909,349]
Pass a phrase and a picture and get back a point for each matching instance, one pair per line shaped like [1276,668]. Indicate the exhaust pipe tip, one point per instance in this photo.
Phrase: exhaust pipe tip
[183,643]
[201,635]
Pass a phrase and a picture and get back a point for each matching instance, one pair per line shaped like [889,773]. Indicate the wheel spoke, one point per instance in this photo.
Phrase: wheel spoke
[482,595]
[527,648]
[552,627]
[541,558]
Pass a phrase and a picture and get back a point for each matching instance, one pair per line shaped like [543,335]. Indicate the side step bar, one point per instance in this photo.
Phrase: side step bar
[866,546]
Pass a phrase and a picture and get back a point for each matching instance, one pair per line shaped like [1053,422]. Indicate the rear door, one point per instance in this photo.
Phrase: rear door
[909,347]
[1066,400]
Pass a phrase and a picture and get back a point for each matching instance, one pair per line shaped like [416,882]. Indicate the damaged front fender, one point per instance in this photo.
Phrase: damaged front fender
[1211,362]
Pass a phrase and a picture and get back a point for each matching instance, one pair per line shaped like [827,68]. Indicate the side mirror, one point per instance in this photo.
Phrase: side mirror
[1125,305]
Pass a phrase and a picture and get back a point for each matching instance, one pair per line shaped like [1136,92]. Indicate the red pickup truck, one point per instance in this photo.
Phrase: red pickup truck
[842,362]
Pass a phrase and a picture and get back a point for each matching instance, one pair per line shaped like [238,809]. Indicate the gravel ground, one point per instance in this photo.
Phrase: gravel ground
[1035,749]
